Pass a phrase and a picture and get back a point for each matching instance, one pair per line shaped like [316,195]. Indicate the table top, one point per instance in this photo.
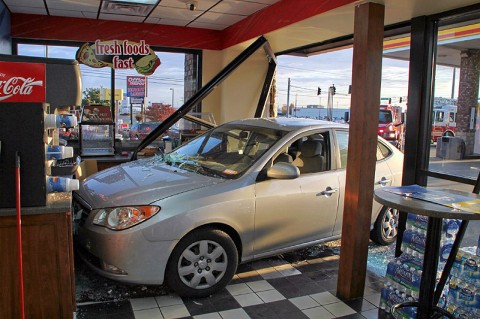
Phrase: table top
[426,208]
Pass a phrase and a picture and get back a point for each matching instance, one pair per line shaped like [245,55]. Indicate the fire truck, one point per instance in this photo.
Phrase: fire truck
[444,121]
[390,125]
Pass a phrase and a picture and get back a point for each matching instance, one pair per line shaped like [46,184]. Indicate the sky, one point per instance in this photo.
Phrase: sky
[335,68]
[306,74]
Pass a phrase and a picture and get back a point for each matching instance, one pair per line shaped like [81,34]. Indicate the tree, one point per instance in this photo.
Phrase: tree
[91,96]
[158,112]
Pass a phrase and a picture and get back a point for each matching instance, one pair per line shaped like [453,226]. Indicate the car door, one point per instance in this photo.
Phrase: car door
[383,174]
[295,211]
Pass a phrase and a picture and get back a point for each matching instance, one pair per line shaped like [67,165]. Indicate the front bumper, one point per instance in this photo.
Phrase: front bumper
[143,261]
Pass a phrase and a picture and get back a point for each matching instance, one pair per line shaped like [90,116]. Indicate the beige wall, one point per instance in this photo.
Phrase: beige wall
[238,95]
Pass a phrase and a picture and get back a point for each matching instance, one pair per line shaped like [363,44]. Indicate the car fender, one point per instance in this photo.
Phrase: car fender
[231,203]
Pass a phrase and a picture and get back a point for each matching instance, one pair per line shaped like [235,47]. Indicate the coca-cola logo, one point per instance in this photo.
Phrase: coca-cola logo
[22,82]
[17,86]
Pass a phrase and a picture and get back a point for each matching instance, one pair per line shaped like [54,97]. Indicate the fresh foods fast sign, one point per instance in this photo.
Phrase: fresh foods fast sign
[22,82]
[119,54]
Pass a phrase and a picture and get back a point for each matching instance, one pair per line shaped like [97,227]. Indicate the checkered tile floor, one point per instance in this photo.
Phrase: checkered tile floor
[271,288]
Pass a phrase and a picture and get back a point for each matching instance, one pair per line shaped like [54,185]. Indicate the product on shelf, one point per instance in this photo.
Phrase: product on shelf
[61,184]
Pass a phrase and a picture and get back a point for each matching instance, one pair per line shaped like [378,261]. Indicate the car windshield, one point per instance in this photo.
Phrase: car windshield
[226,151]
[385,117]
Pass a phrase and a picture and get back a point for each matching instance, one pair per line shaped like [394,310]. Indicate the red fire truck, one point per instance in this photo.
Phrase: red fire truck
[444,121]
[390,125]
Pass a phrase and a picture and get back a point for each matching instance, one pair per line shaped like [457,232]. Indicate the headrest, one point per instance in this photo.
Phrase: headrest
[311,148]
[283,157]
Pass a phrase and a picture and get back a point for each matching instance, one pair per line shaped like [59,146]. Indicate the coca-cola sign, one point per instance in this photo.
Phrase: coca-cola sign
[22,82]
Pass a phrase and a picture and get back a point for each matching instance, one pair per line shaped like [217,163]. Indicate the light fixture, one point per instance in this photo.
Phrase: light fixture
[129,7]
[149,2]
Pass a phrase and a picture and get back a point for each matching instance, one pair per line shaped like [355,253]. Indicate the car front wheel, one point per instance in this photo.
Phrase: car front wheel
[203,262]
[385,229]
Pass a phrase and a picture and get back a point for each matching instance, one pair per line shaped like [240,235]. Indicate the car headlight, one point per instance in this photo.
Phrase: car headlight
[119,218]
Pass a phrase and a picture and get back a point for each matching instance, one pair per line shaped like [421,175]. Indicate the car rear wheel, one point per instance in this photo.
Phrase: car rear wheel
[385,229]
[203,262]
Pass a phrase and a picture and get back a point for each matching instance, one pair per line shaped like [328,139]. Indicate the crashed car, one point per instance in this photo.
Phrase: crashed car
[244,190]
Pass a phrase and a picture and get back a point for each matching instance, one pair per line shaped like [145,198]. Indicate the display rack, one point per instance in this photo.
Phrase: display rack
[97,136]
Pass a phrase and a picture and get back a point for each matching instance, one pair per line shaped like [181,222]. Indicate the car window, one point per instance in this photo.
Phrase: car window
[310,153]
[342,139]
[382,151]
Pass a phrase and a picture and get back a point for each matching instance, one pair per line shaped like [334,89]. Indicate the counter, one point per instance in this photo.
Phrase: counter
[49,279]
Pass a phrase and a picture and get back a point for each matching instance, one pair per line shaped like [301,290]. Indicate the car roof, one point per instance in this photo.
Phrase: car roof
[288,124]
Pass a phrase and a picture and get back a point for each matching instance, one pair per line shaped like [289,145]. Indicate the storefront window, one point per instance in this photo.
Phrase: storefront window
[319,86]
[455,132]
[174,81]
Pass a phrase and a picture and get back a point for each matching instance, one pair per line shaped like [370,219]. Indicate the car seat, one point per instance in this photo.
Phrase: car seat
[310,159]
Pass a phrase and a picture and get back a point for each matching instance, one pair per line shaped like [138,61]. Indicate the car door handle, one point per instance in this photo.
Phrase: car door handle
[328,191]
[384,181]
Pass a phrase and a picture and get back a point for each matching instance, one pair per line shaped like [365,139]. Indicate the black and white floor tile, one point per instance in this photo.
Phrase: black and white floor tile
[271,288]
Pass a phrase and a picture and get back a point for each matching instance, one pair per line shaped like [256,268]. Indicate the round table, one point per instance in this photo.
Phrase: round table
[435,212]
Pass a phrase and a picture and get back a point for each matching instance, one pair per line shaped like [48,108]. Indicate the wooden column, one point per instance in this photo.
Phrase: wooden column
[366,78]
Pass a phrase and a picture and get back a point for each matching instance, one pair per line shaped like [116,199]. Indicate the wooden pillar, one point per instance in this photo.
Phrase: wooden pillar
[362,145]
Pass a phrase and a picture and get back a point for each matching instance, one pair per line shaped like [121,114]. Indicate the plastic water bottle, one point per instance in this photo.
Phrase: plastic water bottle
[61,184]
[60,120]
[478,246]
[451,227]
[58,152]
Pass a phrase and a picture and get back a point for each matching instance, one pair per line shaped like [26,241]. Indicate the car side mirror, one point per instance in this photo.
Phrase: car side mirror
[283,170]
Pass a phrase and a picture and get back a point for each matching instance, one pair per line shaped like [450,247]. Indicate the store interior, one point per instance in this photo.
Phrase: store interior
[87,86]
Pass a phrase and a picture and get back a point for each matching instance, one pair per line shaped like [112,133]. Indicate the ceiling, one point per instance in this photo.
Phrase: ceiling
[218,24]
[206,14]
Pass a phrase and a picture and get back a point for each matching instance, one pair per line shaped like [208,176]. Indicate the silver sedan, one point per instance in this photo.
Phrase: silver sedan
[242,191]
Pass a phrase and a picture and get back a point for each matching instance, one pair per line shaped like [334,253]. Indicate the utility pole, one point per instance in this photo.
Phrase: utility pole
[295,107]
[319,93]
[288,98]
[331,93]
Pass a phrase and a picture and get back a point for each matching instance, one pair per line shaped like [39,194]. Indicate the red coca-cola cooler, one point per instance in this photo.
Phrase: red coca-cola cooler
[27,86]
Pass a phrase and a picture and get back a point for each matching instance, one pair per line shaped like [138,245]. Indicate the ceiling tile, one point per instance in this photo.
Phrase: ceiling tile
[77,5]
[263,1]
[210,26]
[73,13]
[174,22]
[224,19]
[202,5]
[238,7]
[152,20]
[30,10]
[119,17]
[26,3]
[175,13]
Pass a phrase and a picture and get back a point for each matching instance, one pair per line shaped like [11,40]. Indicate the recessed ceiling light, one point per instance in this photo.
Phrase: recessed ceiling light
[138,1]
[128,7]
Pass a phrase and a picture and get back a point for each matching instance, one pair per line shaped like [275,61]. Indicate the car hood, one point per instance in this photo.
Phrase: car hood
[140,182]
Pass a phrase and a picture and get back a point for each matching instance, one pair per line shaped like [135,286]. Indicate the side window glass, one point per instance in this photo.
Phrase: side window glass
[452,117]
[342,140]
[311,153]
[382,151]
